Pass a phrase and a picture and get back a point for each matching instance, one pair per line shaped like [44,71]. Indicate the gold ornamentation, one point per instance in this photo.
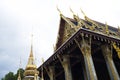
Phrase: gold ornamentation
[106,28]
[72,11]
[117,49]
[59,11]
[118,29]
[83,12]
[31,68]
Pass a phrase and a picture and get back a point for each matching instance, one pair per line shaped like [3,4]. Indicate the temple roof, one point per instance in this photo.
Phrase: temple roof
[71,28]
[77,23]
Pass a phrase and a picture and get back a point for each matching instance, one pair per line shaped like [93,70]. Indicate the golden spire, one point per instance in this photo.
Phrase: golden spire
[31,52]
[106,28]
[31,67]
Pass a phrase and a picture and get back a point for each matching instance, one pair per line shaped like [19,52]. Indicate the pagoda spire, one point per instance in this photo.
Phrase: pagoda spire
[31,57]
[31,51]
[31,67]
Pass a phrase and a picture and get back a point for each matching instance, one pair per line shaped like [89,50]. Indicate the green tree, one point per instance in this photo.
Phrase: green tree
[2,79]
[12,76]
[9,76]
[21,73]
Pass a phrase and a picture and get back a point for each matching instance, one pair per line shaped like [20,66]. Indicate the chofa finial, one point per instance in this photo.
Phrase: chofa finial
[59,10]
[71,11]
[83,12]
[118,28]
[106,26]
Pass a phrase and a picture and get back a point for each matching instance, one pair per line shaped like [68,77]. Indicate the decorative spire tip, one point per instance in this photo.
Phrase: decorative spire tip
[59,10]
[83,12]
[71,11]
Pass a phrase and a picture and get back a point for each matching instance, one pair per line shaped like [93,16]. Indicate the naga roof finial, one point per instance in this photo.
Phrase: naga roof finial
[74,16]
[106,28]
[72,11]
[59,10]
[83,12]
[119,29]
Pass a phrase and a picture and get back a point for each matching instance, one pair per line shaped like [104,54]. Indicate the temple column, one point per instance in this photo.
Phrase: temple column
[85,47]
[84,71]
[66,65]
[107,53]
[50,72]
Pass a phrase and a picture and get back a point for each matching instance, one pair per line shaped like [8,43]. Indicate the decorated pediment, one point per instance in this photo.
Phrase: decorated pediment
[68,26]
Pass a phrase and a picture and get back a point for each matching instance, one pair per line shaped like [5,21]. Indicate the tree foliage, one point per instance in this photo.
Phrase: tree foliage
[12,76]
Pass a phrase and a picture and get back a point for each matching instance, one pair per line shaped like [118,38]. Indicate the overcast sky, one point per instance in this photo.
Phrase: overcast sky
[20,18]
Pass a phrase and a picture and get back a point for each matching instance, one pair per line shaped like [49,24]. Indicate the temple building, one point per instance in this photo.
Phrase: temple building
[31,72]
[85,50]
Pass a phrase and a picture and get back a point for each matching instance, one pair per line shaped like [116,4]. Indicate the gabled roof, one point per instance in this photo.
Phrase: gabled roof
[87,24]
[89,27]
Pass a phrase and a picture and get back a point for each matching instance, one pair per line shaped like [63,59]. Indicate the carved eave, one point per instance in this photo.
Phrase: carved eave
[71,42]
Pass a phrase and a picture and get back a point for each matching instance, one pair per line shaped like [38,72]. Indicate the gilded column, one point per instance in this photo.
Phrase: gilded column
[67,68]
[107,53]
[85,48]
[84,71]
[50,72]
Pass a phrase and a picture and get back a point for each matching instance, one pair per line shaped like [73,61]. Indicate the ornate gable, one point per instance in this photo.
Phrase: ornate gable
[69,26]
[66,30]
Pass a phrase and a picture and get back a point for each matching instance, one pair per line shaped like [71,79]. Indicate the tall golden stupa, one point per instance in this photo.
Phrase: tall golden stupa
[31,72]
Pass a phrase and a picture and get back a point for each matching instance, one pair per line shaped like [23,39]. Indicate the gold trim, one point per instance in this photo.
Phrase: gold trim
[106,28]
[59,11]
[117,49]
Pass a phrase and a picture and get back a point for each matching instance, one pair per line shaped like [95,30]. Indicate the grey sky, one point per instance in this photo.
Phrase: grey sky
[17,17]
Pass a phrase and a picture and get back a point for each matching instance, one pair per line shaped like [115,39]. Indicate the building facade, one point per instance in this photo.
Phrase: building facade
[85,50]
